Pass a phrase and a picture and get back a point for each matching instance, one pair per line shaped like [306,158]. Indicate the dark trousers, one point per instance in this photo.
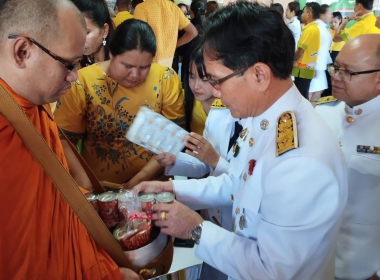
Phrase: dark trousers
[328,91]
[303,86]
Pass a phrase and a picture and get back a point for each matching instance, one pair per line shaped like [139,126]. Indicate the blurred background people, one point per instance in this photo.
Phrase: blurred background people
[166,19]
[294,23]
[123,8]
[305,58]
[211,6]
[319,82]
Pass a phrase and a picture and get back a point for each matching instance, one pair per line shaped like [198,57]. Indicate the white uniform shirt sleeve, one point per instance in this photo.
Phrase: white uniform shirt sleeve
[296,204]
[221,167]
[204,193]
[188,166]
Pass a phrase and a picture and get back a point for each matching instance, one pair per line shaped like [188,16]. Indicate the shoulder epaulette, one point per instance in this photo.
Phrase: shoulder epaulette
[286,133]
[217,104]
[326,99]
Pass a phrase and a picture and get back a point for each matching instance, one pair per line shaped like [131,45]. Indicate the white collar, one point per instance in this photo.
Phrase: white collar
[292,96]
[363,109]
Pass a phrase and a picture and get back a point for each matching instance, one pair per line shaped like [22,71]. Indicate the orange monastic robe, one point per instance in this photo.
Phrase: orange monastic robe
[40,236]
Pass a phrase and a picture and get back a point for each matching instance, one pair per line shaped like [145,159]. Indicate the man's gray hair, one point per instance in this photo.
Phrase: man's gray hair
[37,19]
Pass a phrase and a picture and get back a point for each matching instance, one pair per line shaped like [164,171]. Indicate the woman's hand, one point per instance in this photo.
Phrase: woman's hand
[201,149]
[165,159]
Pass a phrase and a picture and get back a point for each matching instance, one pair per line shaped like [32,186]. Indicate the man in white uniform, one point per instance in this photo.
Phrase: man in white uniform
[287,179]
[355,120]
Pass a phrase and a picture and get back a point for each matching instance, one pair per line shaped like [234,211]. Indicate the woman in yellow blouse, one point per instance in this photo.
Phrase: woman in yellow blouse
[198,92]
[102,104]
[335,46]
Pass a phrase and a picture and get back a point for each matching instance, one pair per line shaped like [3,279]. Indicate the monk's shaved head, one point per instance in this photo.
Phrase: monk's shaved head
[366,49]
[37,19]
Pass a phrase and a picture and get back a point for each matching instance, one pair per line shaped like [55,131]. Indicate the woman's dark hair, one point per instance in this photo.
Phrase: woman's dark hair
[258,34]
[278,7]
[294,7]
[97,11]
[194,58]
[211,6]
[198,7]
[323,9]
[299,15]
[133,34]
[315,9]
[338,15]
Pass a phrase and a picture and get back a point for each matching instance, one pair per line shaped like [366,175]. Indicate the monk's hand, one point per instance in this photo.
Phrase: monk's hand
[177,220]
[128,274]
[374,277]
[154,187]
[378,22]
[165,159]
[201,149]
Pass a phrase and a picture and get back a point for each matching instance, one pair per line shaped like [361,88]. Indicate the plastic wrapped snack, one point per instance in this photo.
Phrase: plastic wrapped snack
[134,232]
[156,133]
[128,203]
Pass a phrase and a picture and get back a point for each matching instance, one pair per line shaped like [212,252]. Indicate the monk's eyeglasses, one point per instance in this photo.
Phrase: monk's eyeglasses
[69,66]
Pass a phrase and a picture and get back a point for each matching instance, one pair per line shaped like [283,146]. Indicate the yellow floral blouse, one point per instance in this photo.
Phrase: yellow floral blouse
[100,111]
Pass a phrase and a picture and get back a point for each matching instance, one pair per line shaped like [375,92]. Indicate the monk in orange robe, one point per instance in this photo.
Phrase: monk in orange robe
[40,236]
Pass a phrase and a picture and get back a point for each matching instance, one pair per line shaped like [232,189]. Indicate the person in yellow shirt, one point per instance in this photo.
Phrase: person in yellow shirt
[365,22]
[102,104]
[305,57]
[166,19]
[122,9]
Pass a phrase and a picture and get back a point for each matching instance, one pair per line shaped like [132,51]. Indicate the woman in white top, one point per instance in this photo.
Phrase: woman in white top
[319,82]
[294,24]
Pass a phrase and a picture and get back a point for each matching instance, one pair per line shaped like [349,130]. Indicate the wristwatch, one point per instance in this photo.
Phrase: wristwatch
[196,233]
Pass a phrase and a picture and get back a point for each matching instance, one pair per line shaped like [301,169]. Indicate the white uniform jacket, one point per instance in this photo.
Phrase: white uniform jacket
[287,213]
[295,26]
[324,57]
[358,249]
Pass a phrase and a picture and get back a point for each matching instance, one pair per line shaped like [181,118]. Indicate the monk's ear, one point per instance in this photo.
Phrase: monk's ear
[21,51]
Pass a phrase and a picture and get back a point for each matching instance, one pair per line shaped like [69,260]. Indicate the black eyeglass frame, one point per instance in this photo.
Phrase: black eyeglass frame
[221,80]
[69,66]
[333,69]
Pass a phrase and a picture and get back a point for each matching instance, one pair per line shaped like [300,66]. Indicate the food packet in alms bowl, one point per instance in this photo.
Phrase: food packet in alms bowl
[135,232]
[156,133]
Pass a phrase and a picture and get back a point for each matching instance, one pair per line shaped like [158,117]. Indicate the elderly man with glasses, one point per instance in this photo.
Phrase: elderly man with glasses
[286,180]
[353,113]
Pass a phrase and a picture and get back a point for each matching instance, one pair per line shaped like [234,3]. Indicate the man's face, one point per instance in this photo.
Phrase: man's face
[236,93]
[48,78]
[306,15]
[361,88]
